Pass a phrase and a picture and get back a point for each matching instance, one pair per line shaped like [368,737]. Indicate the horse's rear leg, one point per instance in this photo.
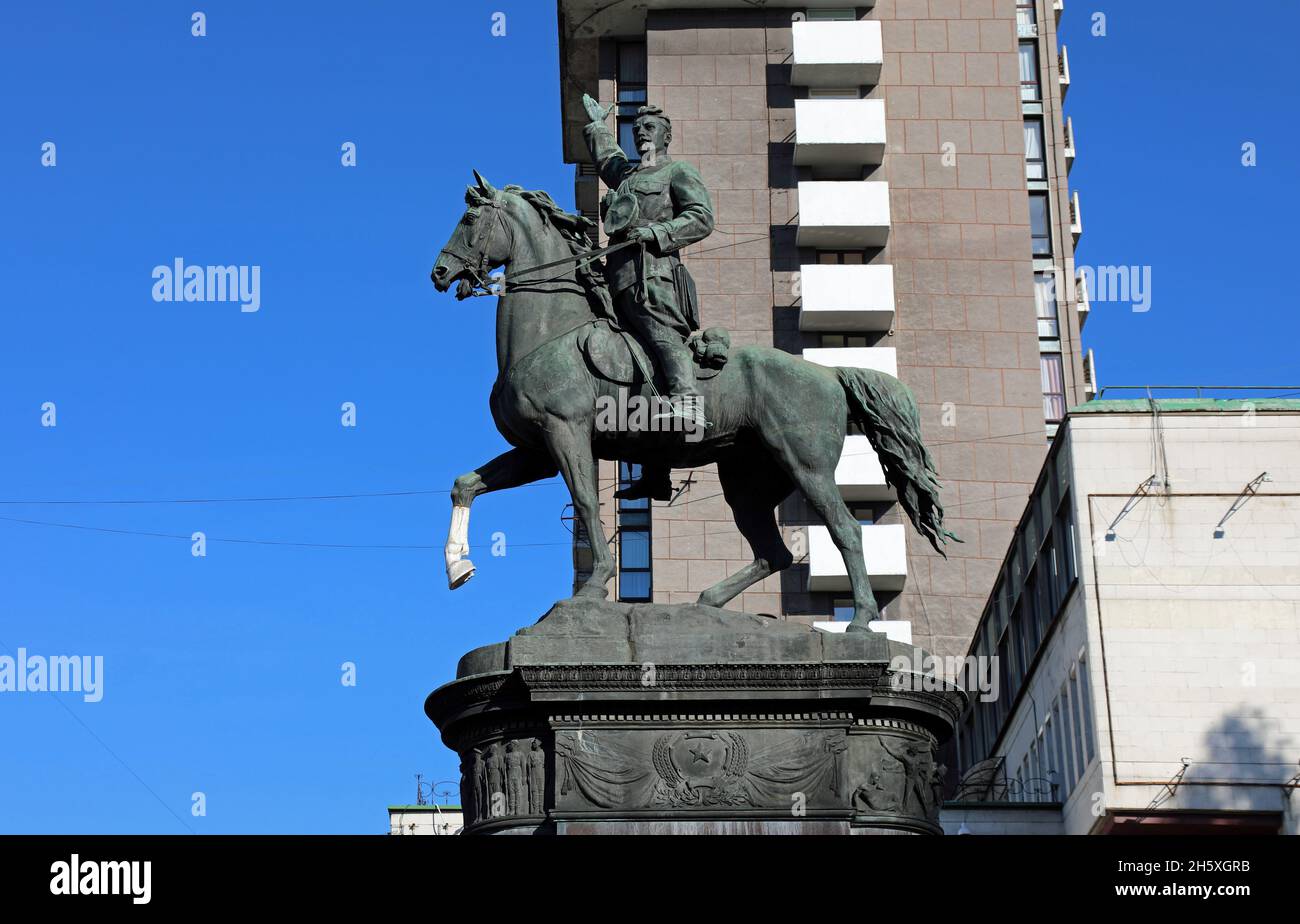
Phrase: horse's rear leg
[508,470]
[810,462]
[752,490]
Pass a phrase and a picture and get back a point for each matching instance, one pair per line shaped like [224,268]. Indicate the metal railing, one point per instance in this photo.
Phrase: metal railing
[1199,391]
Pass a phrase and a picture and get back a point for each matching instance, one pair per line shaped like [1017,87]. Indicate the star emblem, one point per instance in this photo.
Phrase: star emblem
[697,754]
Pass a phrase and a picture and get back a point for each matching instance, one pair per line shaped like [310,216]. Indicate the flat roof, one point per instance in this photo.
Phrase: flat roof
[1176,405]
[424,808]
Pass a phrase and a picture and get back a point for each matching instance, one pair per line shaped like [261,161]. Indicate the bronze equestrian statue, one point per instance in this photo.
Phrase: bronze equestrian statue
[776,421]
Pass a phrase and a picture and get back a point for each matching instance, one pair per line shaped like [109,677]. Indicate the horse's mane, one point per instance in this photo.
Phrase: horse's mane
[575,229]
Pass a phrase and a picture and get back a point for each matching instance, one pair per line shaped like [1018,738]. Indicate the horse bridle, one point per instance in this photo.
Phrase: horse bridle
[477,266]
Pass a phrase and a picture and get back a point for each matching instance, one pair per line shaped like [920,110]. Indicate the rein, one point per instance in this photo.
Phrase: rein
[477,266]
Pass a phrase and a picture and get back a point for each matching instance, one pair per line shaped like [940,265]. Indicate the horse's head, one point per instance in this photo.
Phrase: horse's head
[480,243]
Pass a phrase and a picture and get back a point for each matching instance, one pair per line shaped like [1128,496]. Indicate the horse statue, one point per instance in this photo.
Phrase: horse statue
[777,421]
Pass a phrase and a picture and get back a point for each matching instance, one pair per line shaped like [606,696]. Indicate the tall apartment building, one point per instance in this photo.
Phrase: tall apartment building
[890,186]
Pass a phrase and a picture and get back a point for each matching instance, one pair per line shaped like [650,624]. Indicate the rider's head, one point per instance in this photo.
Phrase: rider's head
[652,128]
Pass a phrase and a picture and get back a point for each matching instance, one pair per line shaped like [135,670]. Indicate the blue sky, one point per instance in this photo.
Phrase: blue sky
[223,673]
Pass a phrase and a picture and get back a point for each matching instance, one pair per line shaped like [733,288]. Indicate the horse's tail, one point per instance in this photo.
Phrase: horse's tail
[885,410]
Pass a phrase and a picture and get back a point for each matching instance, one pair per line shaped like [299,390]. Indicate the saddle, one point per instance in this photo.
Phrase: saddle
[615,355]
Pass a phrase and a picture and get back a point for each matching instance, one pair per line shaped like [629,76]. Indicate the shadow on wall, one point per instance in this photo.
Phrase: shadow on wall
[1240,753]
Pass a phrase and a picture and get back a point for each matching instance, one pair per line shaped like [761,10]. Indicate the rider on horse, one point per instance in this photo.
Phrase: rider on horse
[663,205]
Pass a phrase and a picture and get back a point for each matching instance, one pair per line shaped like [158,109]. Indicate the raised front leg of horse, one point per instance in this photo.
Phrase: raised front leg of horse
[570,445]
[508,470]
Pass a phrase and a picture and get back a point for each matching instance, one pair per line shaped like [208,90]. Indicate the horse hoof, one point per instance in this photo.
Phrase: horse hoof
[593,591]
[459,572]
[856,626]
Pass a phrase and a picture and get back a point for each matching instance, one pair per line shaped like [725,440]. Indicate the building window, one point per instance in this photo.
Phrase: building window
[841,14]
[1035,159]
[1026,22]
[1078,726]
[634,560]
[834,93]
[1085,707]
[841,341]
[1052,756]
[1040,225]
[1062,711]
[1053,386]
[1029,72]
[1049,326]
[631,93]
[865,514]
[839,257]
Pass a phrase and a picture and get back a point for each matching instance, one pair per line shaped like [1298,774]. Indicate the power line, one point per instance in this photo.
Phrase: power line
[273,542]
[238,500]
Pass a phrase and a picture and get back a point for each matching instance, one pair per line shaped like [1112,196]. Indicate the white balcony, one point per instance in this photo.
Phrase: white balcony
[858,474]
[1076,218]
[1069,144]
[843,214]
[1089,376]
[884,548]
[839,132]
[847,53]
[846,297]
[898,630]
[1058,7]
[1082,302]
[882,359]
[1063,68]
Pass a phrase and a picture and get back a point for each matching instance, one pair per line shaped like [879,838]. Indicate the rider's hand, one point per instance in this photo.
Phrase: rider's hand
[644,235]
[595,111]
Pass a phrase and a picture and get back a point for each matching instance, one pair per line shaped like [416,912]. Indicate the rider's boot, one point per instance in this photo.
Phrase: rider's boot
[654,483]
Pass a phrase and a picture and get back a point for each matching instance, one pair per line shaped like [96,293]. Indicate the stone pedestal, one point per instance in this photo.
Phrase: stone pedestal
[646,718]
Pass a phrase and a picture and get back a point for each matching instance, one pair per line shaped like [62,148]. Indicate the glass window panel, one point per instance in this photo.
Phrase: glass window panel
[1029,71]
[1045,303]
[1040,227]
[1035,162]
[1067,740]
[634,585]
[635,547]
[842,14]
[1085,707]
[1074,714]
[632,62]
[1053,375]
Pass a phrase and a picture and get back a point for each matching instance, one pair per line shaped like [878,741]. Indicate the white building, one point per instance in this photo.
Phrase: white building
[425,819]
[1146,622]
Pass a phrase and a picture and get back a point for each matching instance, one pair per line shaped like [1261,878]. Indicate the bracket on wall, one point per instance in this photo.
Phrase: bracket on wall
[1132,502]
[1246,494]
